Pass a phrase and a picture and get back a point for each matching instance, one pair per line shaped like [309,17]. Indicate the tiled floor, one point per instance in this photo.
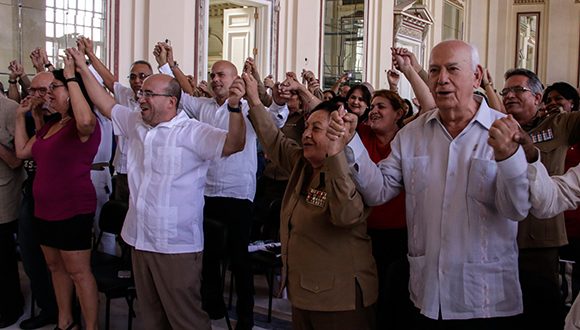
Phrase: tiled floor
[281,310]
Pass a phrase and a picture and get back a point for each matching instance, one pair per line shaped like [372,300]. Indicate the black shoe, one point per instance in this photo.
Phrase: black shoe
[38,321]
[8,319]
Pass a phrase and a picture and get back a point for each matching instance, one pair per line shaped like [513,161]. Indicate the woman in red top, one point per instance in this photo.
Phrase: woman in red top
[386,223]
[65,199]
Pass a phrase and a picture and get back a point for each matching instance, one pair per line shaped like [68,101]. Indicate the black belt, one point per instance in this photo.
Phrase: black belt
[99,166]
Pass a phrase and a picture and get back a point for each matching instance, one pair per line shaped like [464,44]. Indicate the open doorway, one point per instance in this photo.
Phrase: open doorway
[236,30]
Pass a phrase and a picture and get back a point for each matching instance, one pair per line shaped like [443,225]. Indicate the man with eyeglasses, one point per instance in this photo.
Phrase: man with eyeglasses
[32,257]
[539,239]
[231,182]
[126,96]
[168,157]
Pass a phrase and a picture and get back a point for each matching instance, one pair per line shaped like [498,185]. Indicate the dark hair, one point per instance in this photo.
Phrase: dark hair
[328,106]
[59,75]
[366,95]
[409,109]
[2,88]
[174,89]
[396,101]
[534,82]
[566,90]
[331,92]
[142,62]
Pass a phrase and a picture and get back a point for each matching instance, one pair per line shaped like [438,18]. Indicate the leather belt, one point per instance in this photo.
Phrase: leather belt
[99,166]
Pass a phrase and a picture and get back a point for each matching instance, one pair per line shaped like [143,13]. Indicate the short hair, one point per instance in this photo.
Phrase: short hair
[534,82]
[327,106]
[474,57]
[566,90]
[173,89]
[331,92]
[142,62]
[59,75]
[397,102]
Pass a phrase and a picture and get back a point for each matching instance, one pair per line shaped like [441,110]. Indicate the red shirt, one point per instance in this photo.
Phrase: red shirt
[62,186]
[390,215]
[573,217]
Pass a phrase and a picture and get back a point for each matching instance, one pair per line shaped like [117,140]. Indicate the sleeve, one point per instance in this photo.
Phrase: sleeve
[572,123]
[377,183]
[121,118]
[214,140]
[122,93]
[165,69]
[190,105]
[96,75]
[344,202]
[512,195]
[282,151]
[279,114]
[550,196]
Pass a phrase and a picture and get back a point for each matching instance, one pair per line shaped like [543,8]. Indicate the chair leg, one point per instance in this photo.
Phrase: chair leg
[107,313]
[130,299]
[32,303]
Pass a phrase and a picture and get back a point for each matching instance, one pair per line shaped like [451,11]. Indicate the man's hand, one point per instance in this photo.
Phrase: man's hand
[36,59]
[524,139]
[16,70]
[501,137]
[402,60]
[342,126]
[237,91]
[269,81]
[160,54]
[393,78]
[30,102]
[85,45]
[251,83]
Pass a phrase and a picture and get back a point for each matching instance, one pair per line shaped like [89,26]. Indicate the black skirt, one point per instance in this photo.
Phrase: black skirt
[72,234]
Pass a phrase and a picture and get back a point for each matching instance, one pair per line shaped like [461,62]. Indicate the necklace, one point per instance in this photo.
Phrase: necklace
[64,120]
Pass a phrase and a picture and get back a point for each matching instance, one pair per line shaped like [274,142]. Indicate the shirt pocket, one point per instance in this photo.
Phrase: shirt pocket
[483,283]
[482,180]
[168,160]
[417,279]
[317,282]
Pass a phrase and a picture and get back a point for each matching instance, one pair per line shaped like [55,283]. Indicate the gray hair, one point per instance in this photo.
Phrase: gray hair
[534,82]
[474,57]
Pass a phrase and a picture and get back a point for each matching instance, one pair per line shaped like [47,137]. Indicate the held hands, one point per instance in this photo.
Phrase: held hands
[73,60]
[393,78]
[28,103]
[252,95]
[160,54]
[16,70]
[502,137]
[37,61]
[269,81]
[340,130]
[486,79]
[403,60]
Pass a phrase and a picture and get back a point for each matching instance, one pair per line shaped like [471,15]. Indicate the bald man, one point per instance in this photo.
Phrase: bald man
[168,159]
[230,187]
[462,205]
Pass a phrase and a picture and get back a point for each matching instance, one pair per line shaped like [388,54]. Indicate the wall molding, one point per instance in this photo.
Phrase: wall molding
[530,2]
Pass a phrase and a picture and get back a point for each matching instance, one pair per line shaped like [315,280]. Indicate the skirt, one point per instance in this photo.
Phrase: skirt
[72,234]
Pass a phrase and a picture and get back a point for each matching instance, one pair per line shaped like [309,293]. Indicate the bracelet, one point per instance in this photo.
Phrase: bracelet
[73,79]
[12,81]
[236,110]
[48,65]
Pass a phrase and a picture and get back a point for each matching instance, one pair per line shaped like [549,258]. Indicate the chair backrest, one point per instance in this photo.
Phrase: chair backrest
[113,216]
[271,230]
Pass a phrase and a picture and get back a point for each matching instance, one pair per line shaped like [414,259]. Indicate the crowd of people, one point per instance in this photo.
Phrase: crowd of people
[432,213]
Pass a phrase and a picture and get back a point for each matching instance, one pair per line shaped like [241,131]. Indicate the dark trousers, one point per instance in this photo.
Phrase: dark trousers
[421,322]
[11,299]
[361,318]
[33,259]
[394,305]
[539,278]
[236,214]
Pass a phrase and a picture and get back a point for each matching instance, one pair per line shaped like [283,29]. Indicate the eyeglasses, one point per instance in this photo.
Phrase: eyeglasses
[141,76]
[41,91]
[516,90]
[52,87]
[148,94]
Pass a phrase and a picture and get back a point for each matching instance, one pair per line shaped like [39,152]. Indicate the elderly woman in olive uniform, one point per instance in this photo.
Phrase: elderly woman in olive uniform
[328,268]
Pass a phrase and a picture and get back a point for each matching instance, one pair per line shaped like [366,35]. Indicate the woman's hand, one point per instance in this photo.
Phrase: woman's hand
[73,59]
[30,102]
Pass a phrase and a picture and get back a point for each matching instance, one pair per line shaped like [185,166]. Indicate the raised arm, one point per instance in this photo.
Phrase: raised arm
[402,60]
[492,96]
[338,83]
[86,45]
[16,71]
[309,101]
[102,100]
[85,119]
[22,142]
[163,53]
[251,68]
[236,138]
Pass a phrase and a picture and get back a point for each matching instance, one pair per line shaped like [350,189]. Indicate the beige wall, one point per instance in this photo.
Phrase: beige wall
[490,25]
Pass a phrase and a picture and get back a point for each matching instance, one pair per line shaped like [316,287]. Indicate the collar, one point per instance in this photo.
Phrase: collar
[483,115]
